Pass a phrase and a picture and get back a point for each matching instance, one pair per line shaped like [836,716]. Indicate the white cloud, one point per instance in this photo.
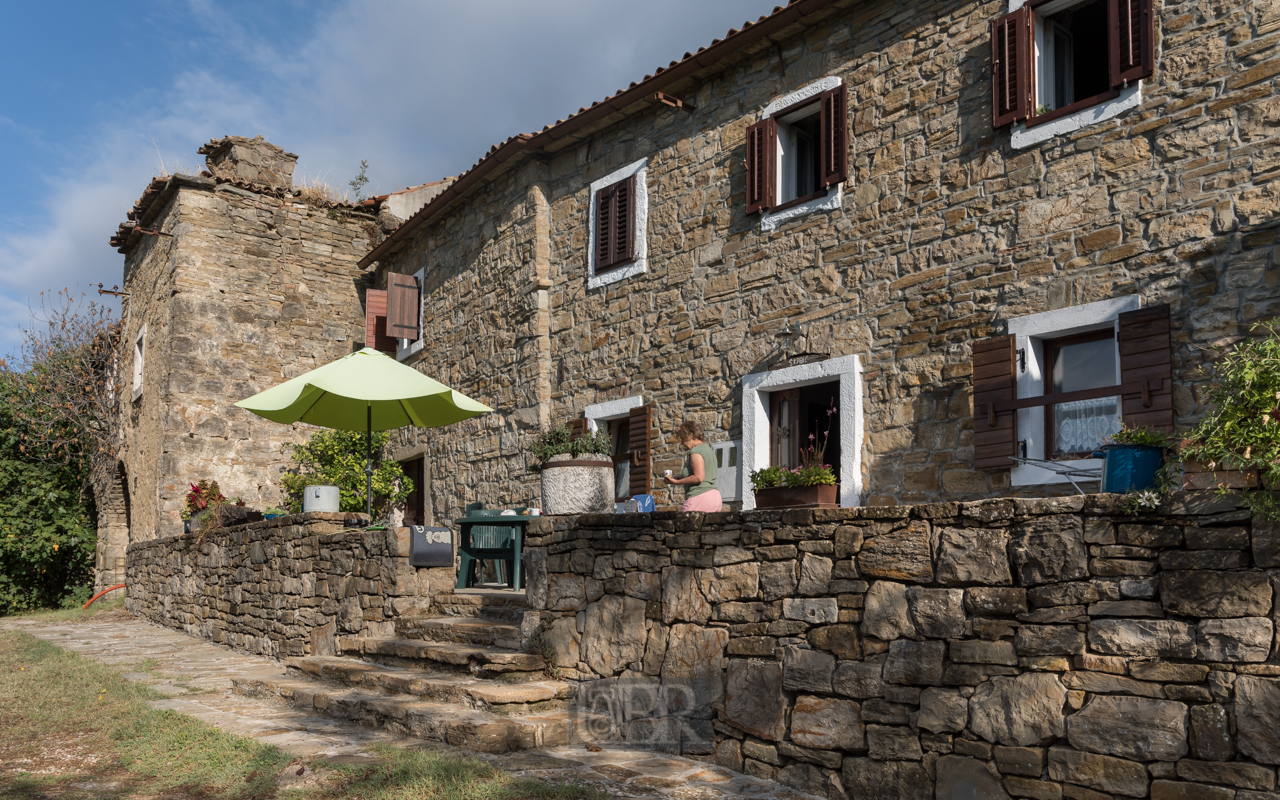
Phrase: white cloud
[421,90]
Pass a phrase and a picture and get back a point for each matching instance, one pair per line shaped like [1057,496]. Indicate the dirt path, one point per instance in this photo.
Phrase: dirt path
[195,675]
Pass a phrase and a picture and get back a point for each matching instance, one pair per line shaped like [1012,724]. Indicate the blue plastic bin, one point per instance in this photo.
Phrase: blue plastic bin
[1127,467]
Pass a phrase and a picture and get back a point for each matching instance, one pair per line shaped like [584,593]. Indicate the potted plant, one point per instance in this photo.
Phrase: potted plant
[337,458]
[1133,459]
[201,498]
[271,512]
[1236,445]
[577,471]
[812,484]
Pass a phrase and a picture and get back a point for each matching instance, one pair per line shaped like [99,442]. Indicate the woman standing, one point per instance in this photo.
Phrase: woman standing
[699,472]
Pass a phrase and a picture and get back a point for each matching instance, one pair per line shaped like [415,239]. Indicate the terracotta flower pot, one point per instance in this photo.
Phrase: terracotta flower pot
[799,497]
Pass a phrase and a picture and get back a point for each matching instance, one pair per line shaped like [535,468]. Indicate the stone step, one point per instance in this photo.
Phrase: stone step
[498,697]
[486,661]
[463,630]
[504,606]
[411,715]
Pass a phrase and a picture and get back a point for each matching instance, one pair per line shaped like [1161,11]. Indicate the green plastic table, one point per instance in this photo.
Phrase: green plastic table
[486,534]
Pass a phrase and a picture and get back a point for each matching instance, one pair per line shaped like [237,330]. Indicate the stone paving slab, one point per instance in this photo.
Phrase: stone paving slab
[196,675]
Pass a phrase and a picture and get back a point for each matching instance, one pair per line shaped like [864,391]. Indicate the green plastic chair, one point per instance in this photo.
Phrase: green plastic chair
[495,542]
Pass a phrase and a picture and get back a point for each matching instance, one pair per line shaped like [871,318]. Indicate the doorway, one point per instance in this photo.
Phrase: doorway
[805,419]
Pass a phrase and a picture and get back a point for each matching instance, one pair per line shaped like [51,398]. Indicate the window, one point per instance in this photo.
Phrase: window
[1062,381]
[615,225]
[1077,364]
[139,357]
[799,419]
[1052,59]
[626,422]
[618,220]
[798,152]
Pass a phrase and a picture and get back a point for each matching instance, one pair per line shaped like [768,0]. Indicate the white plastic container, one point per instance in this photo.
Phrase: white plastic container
[320,498]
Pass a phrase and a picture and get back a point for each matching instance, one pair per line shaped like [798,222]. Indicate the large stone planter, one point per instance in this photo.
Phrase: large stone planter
[799,497]
[577,484]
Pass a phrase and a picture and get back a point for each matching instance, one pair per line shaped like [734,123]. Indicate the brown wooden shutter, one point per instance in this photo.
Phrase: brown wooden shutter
[1132,40]
[995,377]
[641,468]
[403,306]
[604,228]
[578,428]
[834,145]
[624,220]
[1146,355]
[762,144]
[1010,73]
[375,321]
[413,506]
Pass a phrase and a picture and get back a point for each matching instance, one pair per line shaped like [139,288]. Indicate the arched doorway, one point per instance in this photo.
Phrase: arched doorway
[113,530]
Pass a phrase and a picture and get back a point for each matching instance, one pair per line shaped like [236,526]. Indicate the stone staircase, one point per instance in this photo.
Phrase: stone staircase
[459,679]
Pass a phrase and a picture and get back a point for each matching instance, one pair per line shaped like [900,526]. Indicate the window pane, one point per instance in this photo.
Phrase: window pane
[622,479]
[1083,426]
[1086,365]
[784,434]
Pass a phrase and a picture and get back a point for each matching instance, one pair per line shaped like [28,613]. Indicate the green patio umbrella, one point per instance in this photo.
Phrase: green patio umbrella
[365,391]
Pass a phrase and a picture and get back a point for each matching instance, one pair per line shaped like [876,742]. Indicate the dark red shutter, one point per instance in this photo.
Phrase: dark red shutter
[1133,53]
[1146,356]
[834,146]
[641,469]
[403,306]
[375,321]
[604,227]
[1010,73]
[762,143]
[995,377]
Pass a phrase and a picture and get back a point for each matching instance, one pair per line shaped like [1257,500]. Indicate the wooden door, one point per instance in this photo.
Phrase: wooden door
[784,428]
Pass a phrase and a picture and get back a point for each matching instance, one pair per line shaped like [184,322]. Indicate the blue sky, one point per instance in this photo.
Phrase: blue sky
[94,96]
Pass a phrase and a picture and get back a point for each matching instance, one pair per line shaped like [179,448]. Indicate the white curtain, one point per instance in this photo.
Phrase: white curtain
[1084,425]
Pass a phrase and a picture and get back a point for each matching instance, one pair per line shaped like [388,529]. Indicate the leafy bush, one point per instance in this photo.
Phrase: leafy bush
[1242,429]
[1142,436]
[337,458]
[561,441]
[47,530]
[202,496]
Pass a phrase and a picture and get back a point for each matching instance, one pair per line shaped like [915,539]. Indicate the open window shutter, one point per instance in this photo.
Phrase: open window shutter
[375,321]
[762,142]
[1133,53]
[995,374]
[578,427]
[624,220]
[1009,68]
[834,146]
[1146,356]
[403,306]
[605,227]
[641,470]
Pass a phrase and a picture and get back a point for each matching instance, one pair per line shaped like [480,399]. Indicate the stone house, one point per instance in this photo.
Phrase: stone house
[930,217]
[234,281]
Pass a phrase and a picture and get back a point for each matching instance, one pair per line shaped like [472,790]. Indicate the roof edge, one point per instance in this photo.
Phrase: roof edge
[720,49]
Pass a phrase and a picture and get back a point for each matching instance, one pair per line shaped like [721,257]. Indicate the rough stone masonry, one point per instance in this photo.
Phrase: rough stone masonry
[1024,648]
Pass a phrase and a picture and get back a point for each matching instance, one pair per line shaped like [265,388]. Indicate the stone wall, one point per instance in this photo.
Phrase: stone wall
[1031,648]
[281,587]
[245,286]
[945,232]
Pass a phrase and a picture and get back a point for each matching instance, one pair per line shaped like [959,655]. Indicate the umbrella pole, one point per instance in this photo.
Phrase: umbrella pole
[368,464]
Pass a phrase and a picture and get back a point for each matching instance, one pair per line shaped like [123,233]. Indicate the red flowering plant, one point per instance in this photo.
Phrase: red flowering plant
[202,496]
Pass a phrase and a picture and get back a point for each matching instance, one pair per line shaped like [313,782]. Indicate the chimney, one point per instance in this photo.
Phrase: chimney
[253,160]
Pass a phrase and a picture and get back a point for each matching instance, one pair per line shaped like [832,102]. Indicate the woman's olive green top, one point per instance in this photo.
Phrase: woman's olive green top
[708,469]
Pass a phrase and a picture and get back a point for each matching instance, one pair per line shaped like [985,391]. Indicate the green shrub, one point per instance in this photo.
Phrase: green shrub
[1142,436]
[337,458]
[561,441]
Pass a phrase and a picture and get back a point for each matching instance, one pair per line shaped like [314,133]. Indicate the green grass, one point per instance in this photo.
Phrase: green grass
[69,721]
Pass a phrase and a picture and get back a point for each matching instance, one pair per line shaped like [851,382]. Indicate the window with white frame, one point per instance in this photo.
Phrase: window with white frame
[618,221]
[1059,384]
[1058,65]
[139,358]
[797,154]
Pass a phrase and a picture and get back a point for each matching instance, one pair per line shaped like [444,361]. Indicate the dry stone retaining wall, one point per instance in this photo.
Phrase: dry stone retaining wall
[1026,648]
[282,587]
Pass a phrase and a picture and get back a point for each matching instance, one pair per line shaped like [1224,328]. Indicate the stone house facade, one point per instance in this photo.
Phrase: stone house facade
[234,281]
[962,224]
